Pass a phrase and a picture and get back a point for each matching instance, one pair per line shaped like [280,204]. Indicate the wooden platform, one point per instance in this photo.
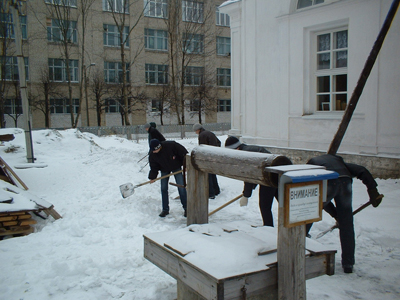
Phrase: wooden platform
[227,261]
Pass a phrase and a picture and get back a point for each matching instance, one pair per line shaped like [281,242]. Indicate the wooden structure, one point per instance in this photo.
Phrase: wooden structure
[176,252]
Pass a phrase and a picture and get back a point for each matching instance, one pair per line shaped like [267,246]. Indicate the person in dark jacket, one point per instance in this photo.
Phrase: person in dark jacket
[167,157]
[209,138]
[340,190]
[153,132]
[266,193]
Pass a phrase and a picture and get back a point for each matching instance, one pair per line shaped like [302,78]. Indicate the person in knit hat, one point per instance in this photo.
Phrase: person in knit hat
[266,193]
[209,138]
[153,132]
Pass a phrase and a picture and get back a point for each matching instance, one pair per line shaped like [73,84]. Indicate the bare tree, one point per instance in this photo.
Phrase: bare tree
[99,88]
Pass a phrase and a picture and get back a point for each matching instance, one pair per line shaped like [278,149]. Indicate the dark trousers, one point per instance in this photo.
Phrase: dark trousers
[213,187]
[164,190]
[266,198]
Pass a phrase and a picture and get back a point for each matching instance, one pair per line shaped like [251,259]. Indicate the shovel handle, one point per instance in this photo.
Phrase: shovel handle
[226,204]
[159,178]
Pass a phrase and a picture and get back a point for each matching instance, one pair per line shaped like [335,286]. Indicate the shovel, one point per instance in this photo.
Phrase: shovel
[128,189]
[225,205]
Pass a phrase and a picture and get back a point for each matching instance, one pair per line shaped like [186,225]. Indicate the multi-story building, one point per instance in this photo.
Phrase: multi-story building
[116,62]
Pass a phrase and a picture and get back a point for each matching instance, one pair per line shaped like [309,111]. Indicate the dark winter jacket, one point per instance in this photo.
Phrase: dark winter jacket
[249,187]
[208,138]
[337,164]
[169,158]
[155,134]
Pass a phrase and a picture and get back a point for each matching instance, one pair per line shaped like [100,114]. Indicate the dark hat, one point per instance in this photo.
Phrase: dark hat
[147,125]
[232,142]
[197,126]
[155,144]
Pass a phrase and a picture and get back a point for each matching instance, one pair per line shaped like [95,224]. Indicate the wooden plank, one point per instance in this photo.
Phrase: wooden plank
[8,218]
[25,216]
[197,191]
[10,223]
[27,222]
[17,230]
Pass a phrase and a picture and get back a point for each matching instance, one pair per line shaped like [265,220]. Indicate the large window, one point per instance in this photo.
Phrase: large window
[222,19]
[61,106]
[223,77]
[7,26]
[58,70]
[112,106]
[194,75]
[223,45]
[192,11]
[193,43]
[156,74]
[111,36]
[155,39]
[224,105]
[113,72]
[11,68]
[118,6]
[156,105]
[58,30]
[307,3]
[13,106]
[331,70]
[156,8]
[194,105]
[71,3]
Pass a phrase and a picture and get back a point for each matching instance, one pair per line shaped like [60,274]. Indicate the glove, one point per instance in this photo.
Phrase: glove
[243,201]
[375,197]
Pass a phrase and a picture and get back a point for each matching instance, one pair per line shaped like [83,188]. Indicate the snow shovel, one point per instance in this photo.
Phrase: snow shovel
[128,189]
[321,234]
[226,204]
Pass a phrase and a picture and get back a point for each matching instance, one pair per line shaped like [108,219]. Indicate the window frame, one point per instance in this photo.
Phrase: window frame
[225,104]
[222,16]
[157,72]
[156,105]
[59,69]
[112,106]
[10,107]
[193,43]
[329,85]
[7,20]
[115,35]
[117,70]
[11,68]
[68,3]
[159,37]
[118,6]
[312,3]
[222,43]
[55,35]
[224,77]
[63,103]
[156,9]
[193,76]
[192,11]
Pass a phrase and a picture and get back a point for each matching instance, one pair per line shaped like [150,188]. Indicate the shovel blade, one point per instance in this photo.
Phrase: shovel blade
[127,189]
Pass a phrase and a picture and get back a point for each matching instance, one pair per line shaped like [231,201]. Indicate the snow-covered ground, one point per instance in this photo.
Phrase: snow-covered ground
[95,251]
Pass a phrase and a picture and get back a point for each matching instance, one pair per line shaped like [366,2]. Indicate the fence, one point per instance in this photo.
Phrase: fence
[137,132]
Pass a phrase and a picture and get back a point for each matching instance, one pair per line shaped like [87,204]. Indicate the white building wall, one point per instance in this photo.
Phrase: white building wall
[273,82]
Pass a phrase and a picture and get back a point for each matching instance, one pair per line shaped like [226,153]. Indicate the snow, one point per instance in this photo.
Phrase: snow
[96,250]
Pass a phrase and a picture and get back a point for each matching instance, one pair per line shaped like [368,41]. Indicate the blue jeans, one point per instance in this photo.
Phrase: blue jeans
[341,191]
[164,190]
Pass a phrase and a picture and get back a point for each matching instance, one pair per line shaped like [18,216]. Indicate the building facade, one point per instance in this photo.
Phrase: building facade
[116,62]
[295,64]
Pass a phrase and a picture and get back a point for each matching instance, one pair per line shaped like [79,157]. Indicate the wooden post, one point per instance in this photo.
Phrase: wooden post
[197,194]
[334,146]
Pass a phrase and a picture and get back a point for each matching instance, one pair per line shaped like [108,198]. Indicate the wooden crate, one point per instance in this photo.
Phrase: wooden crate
[16,224]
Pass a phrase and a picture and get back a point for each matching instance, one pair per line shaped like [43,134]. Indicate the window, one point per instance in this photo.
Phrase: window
[223,45]
[11,68]
[193,75]
[156,74]
[156,105]
[61,106]
[193,43]
[192,11]
[307,3]
[13,106]
[222,19]
[156,8]
[113,72]
[58,70]
[155,39]
[224,104]
[223,77]
[7,26]
[331,70]
[112,106]
[111,36]
[194,105]
[59,30]
[118,6]
[71,3]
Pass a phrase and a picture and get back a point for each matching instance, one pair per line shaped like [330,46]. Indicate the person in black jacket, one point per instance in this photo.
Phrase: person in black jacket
[209,138]
[167,157]
[340,190]
[266,193]
[153,132]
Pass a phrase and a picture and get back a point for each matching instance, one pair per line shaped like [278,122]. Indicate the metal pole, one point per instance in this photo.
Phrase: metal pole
[22,80]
